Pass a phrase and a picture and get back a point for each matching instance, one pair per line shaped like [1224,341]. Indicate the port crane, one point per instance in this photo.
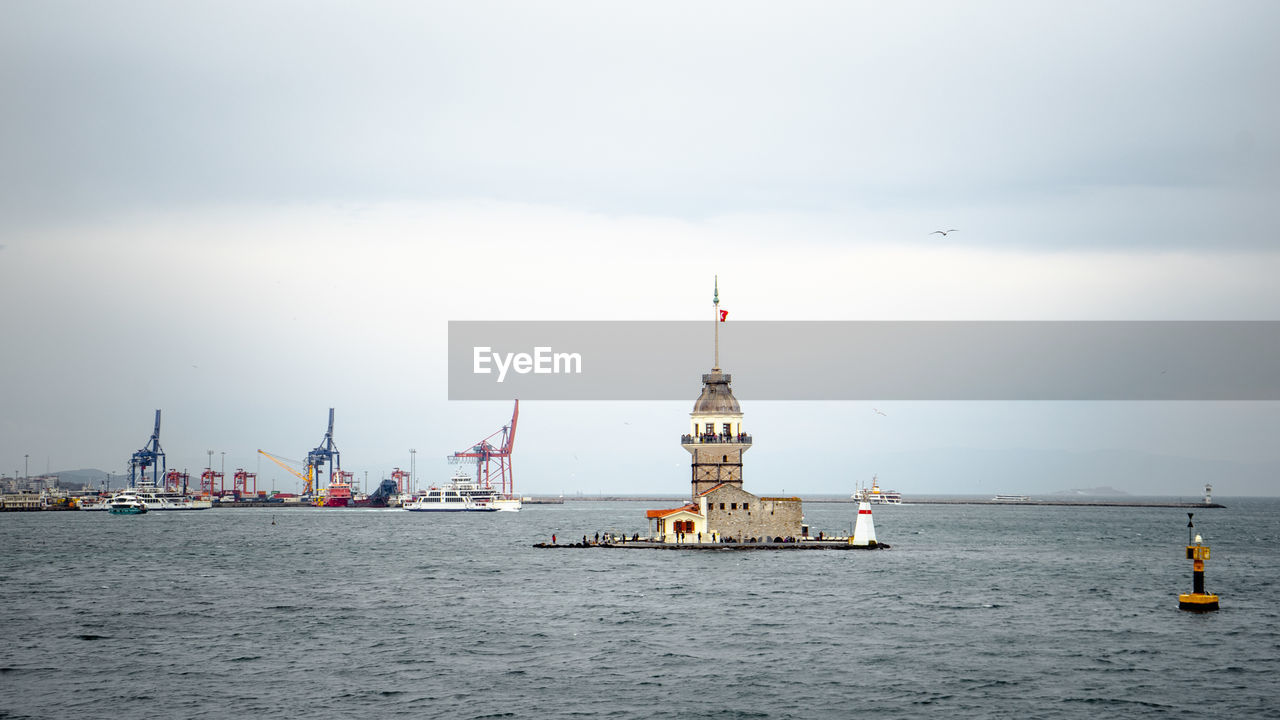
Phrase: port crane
[212,483]
[494,450]
[241,480]
[401,478]
[325,452]
[175,481]
[147,457]
[307,485]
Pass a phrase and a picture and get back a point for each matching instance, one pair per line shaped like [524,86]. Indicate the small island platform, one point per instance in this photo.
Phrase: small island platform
[648,544]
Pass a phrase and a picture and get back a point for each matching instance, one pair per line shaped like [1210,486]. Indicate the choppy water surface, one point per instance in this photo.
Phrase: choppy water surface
[976,611]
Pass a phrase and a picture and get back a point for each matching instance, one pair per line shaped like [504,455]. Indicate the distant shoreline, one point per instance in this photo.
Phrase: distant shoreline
[933,501]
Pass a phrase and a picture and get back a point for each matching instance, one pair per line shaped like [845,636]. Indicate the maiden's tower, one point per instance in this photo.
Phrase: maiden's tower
[720,509]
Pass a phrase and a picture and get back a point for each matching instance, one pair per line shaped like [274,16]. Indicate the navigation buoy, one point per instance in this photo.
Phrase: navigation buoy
[864,532]
[1197,600]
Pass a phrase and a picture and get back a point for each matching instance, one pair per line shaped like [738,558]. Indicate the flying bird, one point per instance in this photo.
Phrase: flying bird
[943,233]
[878,411]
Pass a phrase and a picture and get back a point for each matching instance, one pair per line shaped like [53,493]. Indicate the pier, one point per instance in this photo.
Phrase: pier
[651,544]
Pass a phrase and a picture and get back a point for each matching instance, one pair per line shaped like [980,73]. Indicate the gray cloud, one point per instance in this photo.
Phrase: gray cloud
[186,184]
[816,107]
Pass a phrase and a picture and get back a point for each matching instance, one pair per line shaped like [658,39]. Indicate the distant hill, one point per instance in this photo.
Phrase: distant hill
[87,476]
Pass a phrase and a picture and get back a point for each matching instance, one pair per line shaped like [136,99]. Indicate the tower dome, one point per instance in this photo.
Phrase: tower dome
[717,397]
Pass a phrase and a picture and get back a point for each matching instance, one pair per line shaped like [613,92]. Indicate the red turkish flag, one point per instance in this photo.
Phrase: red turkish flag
[723,314]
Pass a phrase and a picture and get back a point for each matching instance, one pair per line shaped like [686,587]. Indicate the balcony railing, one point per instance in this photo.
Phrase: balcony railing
[708,438]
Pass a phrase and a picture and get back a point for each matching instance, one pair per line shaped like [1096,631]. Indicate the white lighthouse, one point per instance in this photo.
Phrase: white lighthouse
[864,532]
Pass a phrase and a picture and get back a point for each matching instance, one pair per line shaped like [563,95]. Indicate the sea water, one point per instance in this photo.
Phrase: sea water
[975,611]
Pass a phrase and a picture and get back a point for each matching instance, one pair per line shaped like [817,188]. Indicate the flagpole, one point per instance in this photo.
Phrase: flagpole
[716,304]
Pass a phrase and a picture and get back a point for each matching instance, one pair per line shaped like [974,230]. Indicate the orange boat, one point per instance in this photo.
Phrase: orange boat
[338,494]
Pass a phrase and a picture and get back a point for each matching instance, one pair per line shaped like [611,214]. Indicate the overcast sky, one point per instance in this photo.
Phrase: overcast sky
[247,213]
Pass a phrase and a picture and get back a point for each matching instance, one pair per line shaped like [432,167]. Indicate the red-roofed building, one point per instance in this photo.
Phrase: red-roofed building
[675,524]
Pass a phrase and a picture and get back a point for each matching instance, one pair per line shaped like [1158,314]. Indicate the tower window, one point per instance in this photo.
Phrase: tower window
[711,428]
[721,506]
[725,459]
[733,506]
[726,429]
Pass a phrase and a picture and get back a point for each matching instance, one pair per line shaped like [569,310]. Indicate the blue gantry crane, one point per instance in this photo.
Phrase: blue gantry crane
[150,456]
[327,452]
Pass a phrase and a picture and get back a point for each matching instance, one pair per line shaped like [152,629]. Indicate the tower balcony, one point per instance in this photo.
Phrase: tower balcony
[710,438]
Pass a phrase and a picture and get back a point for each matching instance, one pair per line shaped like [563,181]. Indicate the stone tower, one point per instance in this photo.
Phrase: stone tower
[716,439]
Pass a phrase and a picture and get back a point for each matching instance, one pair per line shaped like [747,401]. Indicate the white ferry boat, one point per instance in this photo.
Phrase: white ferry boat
[1011,498]
[155,498]
[127,505]
[461,494]
[883,497]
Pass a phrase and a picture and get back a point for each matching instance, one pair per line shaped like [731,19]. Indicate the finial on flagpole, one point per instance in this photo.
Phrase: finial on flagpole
[716,301]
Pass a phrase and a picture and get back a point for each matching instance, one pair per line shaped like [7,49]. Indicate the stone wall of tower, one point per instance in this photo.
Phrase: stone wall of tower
[734,513]
[716,463]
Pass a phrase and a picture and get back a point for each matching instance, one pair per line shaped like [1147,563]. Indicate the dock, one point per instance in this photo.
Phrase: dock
[648,544]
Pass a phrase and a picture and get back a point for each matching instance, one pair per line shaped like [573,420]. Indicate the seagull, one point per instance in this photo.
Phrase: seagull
[943,233]
[878,411]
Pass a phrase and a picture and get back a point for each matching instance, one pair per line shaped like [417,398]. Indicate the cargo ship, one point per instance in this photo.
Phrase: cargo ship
[338,494]
[386,495]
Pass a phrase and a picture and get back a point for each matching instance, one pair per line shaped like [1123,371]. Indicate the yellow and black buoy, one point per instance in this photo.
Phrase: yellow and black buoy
[1197,600]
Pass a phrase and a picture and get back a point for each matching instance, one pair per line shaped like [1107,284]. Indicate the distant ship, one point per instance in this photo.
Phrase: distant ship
[883,497]
[1011,498]
[155,498]
[461,494]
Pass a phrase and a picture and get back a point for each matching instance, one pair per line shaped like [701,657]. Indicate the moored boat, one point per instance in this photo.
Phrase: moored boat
[461,494]
[385,496]
[93,502]
[338,494]
[155,498]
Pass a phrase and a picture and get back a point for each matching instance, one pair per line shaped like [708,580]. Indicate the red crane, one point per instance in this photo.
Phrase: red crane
[211,483]
[240,482]
[486,454]
[402,480]
[175,481]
